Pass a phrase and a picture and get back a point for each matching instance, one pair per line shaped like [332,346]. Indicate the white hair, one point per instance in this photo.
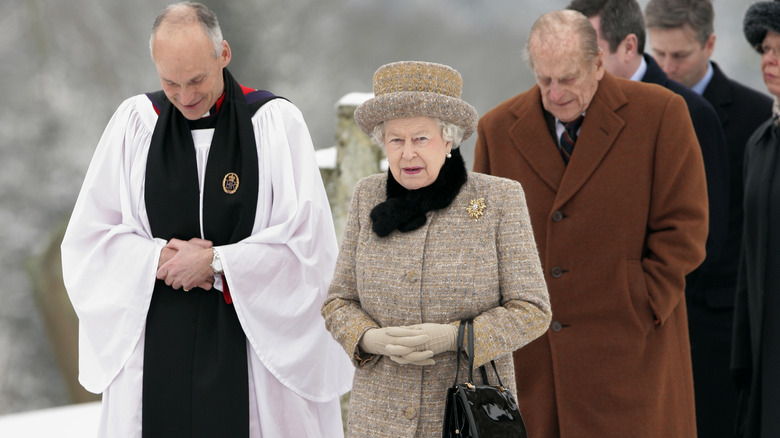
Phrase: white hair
[450,132]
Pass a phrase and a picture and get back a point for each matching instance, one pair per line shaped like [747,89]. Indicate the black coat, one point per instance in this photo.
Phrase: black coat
[714,152]
[741,110]
[760,164]
[710,294]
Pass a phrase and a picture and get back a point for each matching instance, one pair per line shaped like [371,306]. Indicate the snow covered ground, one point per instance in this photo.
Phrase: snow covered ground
[73,421]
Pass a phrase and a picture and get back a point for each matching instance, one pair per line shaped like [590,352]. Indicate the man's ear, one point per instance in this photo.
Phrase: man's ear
[630,44]
[226,54]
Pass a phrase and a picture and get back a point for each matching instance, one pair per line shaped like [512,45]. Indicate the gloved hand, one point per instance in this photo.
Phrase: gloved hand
[442,337]
[414,358]
[405,339]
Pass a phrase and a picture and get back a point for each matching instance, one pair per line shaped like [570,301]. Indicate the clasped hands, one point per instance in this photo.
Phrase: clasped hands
[412,344]
[186,264]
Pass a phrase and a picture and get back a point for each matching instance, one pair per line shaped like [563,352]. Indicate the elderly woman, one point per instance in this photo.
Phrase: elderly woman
[756,345]
[425,246]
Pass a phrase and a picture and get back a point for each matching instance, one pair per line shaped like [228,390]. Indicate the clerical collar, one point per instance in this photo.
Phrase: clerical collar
[214,108]
[208,120]
[218,104]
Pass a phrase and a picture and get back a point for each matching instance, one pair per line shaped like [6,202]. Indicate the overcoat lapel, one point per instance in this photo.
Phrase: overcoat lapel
[600,129]
[720,93]
[543,156]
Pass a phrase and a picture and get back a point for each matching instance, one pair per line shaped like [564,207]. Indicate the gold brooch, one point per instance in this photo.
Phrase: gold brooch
[476,208]
[230,183]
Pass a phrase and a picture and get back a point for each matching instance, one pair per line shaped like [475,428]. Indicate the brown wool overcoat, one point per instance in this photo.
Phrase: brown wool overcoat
[617,231]
[454,267]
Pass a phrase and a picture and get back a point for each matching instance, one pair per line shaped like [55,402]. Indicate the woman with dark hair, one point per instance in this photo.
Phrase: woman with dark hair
[756,347]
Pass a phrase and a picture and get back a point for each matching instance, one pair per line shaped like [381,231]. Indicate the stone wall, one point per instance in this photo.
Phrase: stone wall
[353,157]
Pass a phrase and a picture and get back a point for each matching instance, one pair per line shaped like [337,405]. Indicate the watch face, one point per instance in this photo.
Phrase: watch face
[216,264]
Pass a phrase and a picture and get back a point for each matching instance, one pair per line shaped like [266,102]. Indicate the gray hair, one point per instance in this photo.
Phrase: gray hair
[186,13]
[449,132]
[557,23]
[673,14]
[619,18]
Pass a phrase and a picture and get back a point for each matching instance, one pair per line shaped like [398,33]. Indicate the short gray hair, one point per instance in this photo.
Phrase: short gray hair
[673,14]
[187,12]
[556,22]
[449,132]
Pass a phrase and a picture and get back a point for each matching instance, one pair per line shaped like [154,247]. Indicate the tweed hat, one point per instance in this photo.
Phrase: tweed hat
[759,18]
[414,89]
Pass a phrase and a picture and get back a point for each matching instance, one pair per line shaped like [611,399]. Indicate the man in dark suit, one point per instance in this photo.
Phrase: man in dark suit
[682,40]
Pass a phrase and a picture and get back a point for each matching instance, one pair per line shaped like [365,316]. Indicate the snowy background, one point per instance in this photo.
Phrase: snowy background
[67,64]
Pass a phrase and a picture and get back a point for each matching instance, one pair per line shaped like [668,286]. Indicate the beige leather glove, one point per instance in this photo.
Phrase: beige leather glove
[442,337]
[407,340]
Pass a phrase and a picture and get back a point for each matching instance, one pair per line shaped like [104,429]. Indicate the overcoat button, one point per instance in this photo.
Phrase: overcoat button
[409,413]
[557,216]
[556,272]
[556,326]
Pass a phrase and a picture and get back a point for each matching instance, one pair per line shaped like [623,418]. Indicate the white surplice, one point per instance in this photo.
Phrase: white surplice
[278,276]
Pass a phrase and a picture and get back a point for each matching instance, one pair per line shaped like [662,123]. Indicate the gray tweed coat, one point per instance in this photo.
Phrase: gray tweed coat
[453,267]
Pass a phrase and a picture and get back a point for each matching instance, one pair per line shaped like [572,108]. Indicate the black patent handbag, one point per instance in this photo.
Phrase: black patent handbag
[480,411]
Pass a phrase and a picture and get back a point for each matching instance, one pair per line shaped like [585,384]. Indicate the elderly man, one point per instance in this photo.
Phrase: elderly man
[621,34]
[198,255]
[619,211]
[682,39]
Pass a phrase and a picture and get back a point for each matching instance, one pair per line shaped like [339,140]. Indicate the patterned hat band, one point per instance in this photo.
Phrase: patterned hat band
[413,89]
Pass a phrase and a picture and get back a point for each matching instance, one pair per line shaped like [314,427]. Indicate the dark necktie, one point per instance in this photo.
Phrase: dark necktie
[568,138]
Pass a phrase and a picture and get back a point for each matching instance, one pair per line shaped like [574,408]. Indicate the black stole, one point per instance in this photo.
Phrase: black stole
[405,210]
[195,379]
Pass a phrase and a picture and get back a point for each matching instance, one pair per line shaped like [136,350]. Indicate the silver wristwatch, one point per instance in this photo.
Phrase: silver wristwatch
[216,263]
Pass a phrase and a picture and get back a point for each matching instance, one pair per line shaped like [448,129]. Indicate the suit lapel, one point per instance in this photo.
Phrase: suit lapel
[719,93]
[654,74]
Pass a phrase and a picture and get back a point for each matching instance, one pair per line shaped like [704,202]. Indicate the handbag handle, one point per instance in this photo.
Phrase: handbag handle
[461,328]
[469,324]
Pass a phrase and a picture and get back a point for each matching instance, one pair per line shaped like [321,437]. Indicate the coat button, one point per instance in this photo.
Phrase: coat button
[556,272]
[557,216]
[556,326]
[412,276]
[409,413]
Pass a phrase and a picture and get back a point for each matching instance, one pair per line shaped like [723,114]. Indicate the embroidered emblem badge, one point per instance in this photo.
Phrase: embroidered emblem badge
[230,183]
[476,208]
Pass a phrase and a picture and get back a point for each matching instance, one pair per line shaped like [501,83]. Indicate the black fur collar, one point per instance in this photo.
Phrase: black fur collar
[404,210]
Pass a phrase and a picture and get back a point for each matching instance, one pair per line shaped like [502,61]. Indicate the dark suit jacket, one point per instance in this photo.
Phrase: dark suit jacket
[741,110]
[713,150]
